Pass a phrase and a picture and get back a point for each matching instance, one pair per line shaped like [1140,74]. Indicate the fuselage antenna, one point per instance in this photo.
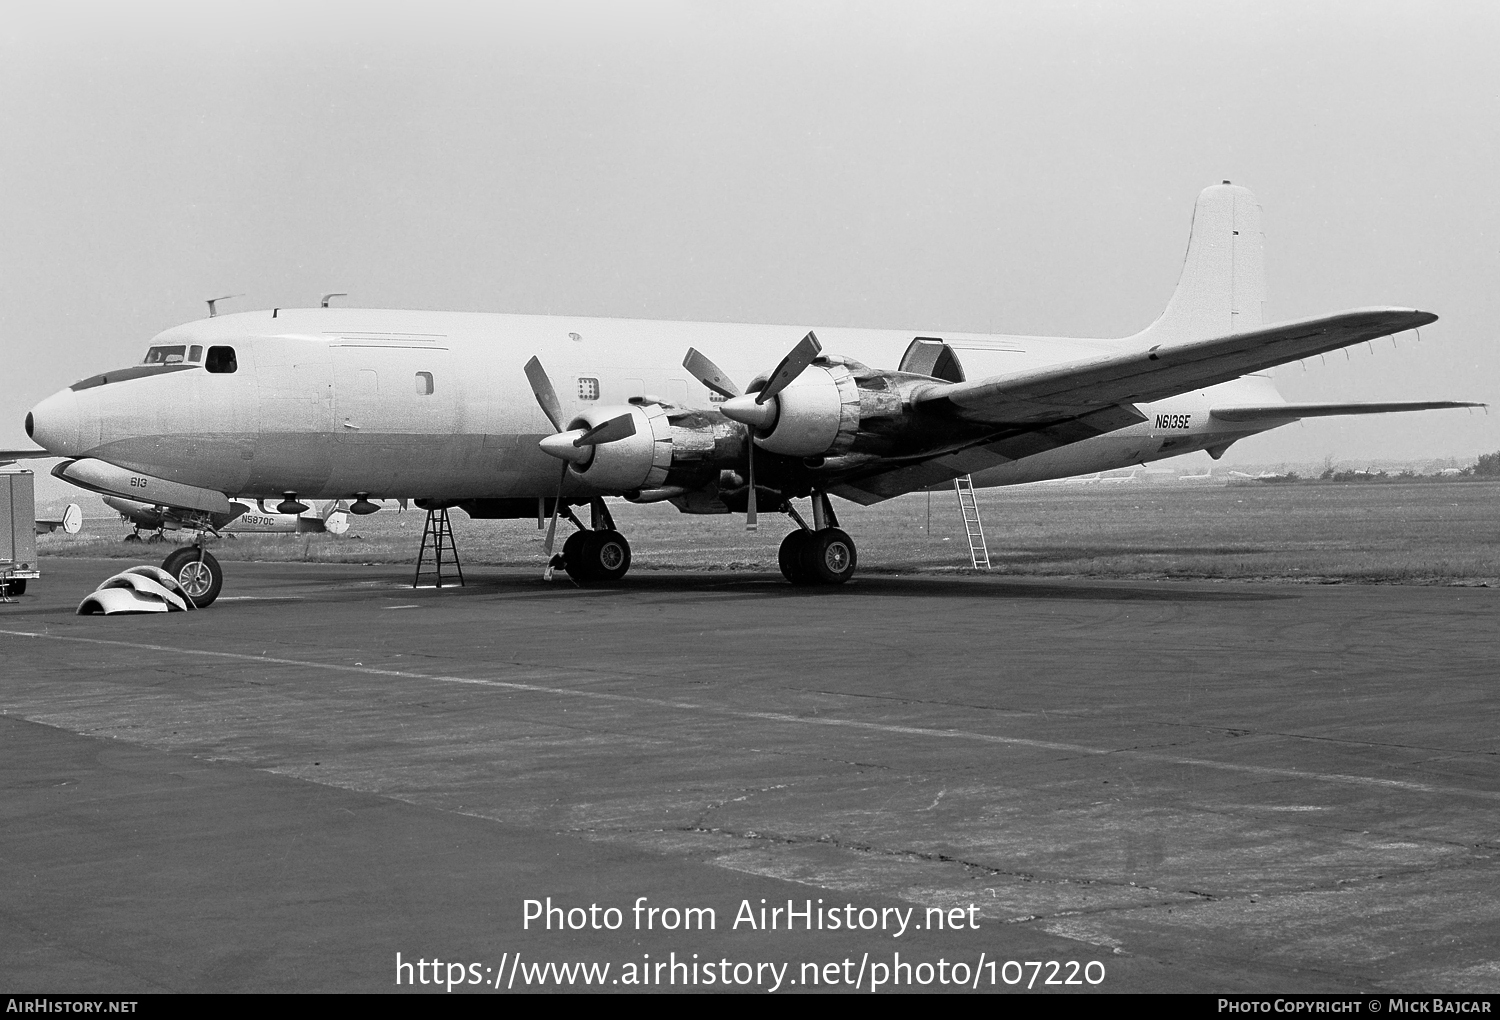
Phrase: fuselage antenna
[212,311]
[329,297]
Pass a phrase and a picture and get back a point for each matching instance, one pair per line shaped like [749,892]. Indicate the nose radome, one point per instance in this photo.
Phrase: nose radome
[53,424]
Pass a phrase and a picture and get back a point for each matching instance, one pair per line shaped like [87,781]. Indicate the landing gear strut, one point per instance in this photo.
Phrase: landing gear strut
[599,553]
[822,554]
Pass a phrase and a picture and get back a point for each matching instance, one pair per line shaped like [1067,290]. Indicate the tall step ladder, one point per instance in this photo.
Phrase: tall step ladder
[979,553]
[436,536]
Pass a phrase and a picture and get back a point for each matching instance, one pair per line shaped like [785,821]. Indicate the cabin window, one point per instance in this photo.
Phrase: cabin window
[588,389]
[166,355]
[195,353]
[221,359]
[424,384]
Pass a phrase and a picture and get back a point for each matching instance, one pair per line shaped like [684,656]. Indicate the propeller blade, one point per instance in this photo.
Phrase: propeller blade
[552,525]
[790,368]
[709,374]
[751,522]
[546,396]
[622,427]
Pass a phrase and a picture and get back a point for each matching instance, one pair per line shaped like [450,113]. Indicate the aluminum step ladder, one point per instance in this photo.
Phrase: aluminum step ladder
[979,553]
[436,536]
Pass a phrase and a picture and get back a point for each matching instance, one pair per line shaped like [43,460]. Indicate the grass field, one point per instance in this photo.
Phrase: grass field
[1391,533]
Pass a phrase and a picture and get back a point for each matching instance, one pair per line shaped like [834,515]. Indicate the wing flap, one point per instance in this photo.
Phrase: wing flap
[894,482]
[1153,373]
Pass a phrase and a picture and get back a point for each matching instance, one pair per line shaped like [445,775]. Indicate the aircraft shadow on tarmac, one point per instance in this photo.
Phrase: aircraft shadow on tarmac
[745,586]
[719,586]
[1078,553]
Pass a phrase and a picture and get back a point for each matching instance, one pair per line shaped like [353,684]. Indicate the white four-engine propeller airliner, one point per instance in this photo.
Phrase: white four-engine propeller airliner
[494,413]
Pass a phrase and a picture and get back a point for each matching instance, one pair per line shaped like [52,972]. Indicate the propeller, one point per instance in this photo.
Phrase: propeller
[573,446]
[757,409]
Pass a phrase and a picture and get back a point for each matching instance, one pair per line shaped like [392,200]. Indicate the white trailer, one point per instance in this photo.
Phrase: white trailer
[17,530]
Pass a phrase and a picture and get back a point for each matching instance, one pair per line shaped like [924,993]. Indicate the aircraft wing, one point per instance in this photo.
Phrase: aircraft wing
[1046,408]
[1288,412]
[1068,391]
[8,456]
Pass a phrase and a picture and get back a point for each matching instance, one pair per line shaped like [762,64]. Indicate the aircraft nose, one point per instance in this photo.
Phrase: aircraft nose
[53,424]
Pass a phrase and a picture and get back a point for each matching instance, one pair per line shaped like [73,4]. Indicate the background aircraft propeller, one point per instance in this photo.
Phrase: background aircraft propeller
[573,446]
[757,410]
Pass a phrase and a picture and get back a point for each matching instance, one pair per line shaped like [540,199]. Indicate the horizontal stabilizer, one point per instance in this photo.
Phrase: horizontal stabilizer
[1288,412]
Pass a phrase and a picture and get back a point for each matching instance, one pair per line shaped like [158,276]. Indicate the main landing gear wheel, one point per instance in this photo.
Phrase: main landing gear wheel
[596,556]
[817,557]
[789,557]
[572,553]
[829,556]
[201,579]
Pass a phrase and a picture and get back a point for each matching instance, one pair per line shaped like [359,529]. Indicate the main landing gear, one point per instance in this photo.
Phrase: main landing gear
[598,553]
[821,554]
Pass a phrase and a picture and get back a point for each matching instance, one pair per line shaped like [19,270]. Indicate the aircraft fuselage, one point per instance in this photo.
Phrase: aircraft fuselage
[328,403]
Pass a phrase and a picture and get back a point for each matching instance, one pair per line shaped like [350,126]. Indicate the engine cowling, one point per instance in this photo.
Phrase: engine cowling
[670,447]
[640,460]
[816,415]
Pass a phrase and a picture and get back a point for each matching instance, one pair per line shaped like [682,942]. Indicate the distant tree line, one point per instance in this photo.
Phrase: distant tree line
[1487,467]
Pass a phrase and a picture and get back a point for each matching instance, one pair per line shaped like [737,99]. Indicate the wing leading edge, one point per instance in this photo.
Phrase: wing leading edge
[1292,412]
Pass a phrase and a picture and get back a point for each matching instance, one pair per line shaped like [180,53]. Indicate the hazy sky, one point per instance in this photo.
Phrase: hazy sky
[1026,167]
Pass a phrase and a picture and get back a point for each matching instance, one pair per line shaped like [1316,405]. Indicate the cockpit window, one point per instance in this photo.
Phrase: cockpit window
[165,355]
[195,353]
[221,359]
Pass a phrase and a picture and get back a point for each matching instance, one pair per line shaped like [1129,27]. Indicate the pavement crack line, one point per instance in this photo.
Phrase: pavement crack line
[1268,771]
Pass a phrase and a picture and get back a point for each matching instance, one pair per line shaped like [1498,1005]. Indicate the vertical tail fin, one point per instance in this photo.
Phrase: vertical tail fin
[1223,284]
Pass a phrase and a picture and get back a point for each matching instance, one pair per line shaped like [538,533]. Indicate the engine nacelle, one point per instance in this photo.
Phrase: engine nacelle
[817,415]
[637,461]
[671,447]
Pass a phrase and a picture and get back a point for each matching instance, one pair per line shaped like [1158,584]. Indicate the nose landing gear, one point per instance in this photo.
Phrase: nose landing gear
[196,570]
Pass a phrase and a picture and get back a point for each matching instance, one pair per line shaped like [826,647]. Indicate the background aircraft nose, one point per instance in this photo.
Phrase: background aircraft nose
[53,424]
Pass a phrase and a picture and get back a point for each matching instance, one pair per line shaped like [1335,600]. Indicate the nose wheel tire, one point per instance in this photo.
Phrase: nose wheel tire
[817,557]
[201,580]
[596,556]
